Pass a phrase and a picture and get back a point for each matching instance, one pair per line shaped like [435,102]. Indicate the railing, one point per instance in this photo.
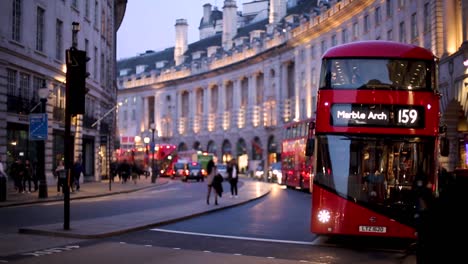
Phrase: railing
[59,114]
[20,105]
[88,121]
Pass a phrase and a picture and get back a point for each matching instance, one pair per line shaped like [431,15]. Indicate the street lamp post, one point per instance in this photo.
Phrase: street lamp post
[153,146]
[147,141]
[43,94]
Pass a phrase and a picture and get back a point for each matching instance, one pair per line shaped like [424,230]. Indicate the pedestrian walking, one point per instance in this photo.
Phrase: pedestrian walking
[125,171]
[211,170]
[2,170]
[17,172]
[77,172]
[27,175]
[3,182]
[233,177]
[61,175]
[34,175]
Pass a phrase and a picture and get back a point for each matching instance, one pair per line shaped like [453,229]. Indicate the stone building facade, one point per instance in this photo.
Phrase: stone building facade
[232,91]
[34,36]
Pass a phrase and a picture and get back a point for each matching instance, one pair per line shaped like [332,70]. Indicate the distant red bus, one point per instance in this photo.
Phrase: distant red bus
[377,127]
[296,168]
[166,157]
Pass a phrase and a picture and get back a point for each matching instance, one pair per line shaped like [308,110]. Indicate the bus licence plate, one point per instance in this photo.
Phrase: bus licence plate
[373,229]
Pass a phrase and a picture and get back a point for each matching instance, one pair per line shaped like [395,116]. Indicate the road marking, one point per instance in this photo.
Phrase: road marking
[162,190]
[49,251]
[235,237]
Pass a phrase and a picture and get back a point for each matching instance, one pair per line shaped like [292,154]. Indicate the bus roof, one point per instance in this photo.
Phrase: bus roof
[379,48]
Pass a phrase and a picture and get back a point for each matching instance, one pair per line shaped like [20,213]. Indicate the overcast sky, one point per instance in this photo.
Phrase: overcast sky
[149,24]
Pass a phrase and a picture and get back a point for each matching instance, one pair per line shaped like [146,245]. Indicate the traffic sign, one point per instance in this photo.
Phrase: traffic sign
[38,126]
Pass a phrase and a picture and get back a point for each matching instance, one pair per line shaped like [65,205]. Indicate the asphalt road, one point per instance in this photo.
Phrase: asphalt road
[273,229]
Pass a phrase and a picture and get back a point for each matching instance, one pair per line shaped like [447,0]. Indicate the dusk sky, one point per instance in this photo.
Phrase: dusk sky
[149,24]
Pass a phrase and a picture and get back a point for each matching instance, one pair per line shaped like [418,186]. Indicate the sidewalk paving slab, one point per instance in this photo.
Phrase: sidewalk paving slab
[87,190]
[112,225]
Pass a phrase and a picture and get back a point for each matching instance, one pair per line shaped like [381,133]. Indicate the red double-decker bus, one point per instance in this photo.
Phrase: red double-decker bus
[296,167]
[377,130]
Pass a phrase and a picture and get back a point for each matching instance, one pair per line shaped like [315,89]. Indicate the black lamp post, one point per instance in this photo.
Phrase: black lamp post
[153,146]
[43,94]
[147,141]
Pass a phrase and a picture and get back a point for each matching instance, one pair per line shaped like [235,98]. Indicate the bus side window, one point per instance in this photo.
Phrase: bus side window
[444,147]
[310,145]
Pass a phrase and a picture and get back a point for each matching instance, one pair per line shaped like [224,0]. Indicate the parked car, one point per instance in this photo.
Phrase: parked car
[222,169]
[274,173]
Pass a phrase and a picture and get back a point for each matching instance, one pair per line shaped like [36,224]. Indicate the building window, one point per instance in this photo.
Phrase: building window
[95,66]
[366,23]
[344,35]
[74,4]
[11,82]
[333,41]
[414,26]
[378,16]
[401,3]
[140,69]
[40,26]
[427,18]
[312,52]
[102,69]
[133,115]
[355,30]
[313,76]
[59,40]
[86,45]
[37,84]
[96,13]
[16,21]
[24,85]
[87,8]
[390,35]
[388,6]
[402,32]
[323,47]
[103,22]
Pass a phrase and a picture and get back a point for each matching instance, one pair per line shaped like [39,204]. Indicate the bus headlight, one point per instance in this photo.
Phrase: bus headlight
[324,216]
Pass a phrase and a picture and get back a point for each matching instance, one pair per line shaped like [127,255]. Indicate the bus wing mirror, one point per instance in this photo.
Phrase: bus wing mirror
[444,147]
[310,146]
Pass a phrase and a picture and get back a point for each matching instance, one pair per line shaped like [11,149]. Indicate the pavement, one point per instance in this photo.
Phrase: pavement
[109,226]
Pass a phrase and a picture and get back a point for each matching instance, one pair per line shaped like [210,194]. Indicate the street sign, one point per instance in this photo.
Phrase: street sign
[38,126]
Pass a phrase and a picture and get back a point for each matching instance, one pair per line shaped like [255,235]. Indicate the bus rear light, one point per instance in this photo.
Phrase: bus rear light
[324,216]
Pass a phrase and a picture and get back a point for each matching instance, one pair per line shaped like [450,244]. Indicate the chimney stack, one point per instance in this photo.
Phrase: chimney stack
[206,13]
[277,11]
[181,46]
[229,23]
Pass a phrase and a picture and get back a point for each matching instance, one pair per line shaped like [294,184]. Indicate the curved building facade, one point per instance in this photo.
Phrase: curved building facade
[34,36]
[230,93]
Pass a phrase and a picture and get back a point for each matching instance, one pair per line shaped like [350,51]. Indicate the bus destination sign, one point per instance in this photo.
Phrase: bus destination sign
[359,115]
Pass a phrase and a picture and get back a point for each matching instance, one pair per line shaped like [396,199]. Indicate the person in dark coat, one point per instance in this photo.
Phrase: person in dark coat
[125,170]
[233,176]
[77,171]
[211,170]
[217,185]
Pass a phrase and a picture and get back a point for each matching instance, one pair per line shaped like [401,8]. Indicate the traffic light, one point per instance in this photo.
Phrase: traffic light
[76,80]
